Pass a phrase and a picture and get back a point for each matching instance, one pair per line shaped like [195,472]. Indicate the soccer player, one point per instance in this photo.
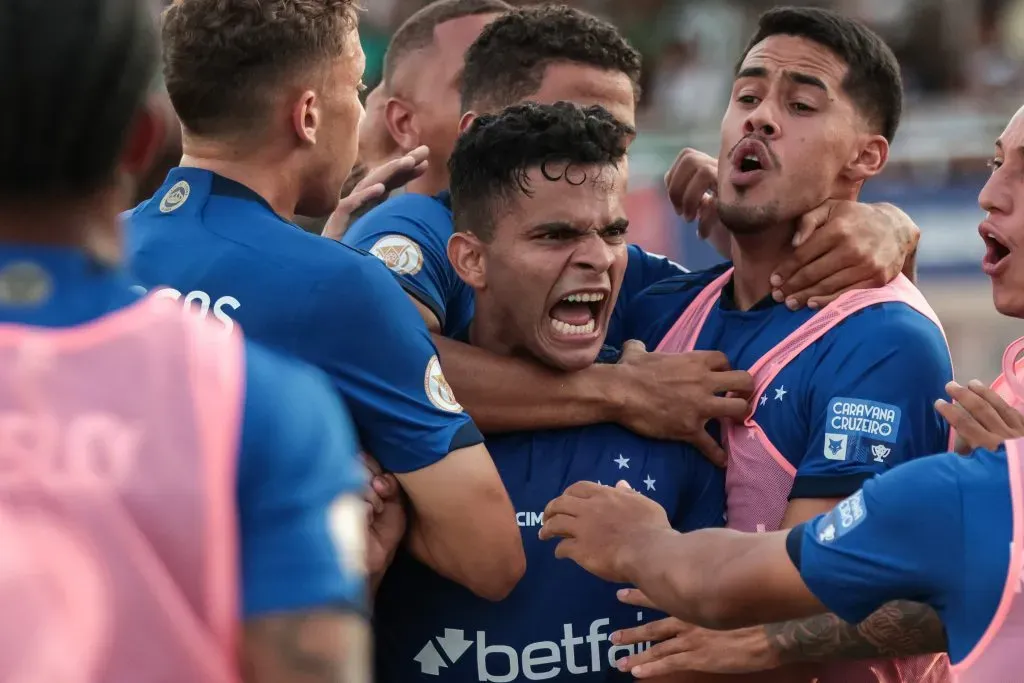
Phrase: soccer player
[840,395]
[173,497]
[543,54]
[935,530]
[538,198]
[267,93]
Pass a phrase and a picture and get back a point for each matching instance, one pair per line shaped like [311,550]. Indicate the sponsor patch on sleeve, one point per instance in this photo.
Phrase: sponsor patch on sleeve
[842,519]
[859,417]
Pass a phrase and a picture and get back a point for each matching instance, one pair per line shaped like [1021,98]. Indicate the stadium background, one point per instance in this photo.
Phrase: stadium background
[963,68]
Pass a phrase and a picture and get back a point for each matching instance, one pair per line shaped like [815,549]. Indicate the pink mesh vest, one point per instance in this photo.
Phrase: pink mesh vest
[119,442]
[758,478]
[999,655]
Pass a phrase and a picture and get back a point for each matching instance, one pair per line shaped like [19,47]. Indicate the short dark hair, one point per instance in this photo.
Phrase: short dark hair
[872,79]
[224,58]
[73,81]
[417,32]
[493,157]
[507,61]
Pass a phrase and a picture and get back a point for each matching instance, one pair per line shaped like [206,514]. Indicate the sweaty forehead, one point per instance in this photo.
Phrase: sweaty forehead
[587,195]
[792,53]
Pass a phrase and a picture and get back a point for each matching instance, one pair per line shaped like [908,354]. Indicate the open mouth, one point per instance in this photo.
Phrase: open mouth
[750,163]
[996,250]
[577,314]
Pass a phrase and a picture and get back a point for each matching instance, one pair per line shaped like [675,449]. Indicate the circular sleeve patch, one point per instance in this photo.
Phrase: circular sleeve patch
[400,254]
[438,390]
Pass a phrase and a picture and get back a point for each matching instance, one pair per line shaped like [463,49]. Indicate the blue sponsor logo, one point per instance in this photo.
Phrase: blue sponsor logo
[857,417]
[842,519]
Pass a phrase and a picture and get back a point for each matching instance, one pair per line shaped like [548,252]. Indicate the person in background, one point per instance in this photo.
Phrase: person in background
[267,92]
[546,54]
[176,499]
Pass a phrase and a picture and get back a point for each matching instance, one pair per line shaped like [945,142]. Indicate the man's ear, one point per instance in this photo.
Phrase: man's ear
[401,121]
[306,117]
[467,120]
[468,256]
[870,160]
[145,138]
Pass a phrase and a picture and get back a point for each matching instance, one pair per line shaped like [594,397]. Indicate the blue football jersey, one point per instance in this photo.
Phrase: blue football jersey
[937,531]
[556,622]
[855,403]
[410,235]
[298,454]
[223,250]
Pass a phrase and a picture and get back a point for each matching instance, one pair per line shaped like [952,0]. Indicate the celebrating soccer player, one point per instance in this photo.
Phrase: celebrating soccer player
[268,95]
[173,496]
[840,395]
[947,531]
[537,193]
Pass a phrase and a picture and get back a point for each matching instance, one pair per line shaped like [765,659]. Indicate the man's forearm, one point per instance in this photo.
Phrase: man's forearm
[898,629]
[505,394]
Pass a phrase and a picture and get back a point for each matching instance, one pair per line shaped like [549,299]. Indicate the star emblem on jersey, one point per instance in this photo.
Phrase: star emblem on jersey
[400,254]
[453,643]
[649,482]
[438,390]
[780,392]
[880,452]
[621,462]
[764,399]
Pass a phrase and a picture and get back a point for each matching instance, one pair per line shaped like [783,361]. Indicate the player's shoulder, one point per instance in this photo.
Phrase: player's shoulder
[415,215]
[889,330]
[892,320]
[685,283]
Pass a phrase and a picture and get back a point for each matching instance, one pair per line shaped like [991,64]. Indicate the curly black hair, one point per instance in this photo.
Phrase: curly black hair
[872,79]
[493,157]
[506,63]
[74,77]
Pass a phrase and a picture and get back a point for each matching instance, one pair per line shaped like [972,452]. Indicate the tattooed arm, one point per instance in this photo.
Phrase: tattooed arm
[899,629]
[307,647]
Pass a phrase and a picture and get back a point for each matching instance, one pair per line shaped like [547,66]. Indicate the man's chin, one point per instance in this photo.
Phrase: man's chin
[569,360]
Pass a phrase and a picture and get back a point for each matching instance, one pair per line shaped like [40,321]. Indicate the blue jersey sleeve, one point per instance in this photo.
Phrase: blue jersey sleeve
[874,380]
[380,354]
[642,271]
[410,235]
[899,538]
[704,505]
[301,513]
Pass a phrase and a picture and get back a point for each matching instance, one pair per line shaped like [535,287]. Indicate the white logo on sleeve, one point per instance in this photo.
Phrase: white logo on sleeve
[346,524]
[400,254]
[835,446]
[438,390]
[842,519]
[175,197]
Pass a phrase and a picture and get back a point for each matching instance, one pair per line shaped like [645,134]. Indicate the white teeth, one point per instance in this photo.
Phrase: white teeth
[750,157]
[565,328]
[584,297]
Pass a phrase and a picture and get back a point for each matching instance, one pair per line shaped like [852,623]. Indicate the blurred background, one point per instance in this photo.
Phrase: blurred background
[963,68]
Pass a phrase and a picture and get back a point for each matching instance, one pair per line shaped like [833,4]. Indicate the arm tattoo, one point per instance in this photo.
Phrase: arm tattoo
[898,629]
[308,647]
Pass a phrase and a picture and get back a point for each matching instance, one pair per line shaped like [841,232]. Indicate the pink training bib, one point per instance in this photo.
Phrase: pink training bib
[999,655]
[119,442]
[759,478]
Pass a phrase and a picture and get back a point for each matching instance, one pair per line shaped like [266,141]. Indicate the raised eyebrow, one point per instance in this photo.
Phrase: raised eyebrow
[752,72]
